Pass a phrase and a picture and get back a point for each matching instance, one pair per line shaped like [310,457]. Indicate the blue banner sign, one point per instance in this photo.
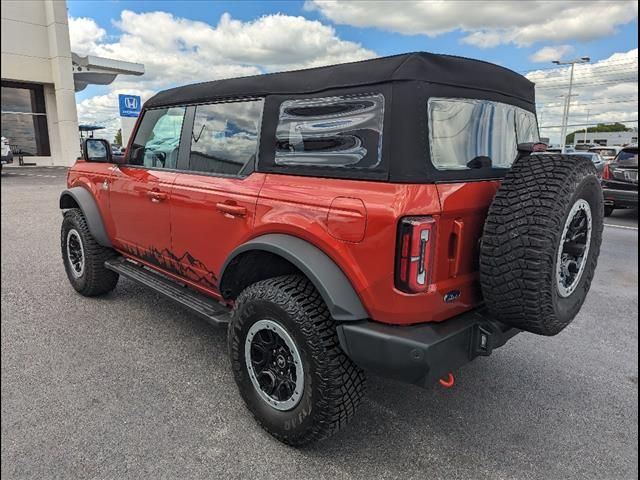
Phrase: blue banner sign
[130,105]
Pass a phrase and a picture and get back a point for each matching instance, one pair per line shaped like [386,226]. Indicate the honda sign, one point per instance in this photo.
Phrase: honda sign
[129,105]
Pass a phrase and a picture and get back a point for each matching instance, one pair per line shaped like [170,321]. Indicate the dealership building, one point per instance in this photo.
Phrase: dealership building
[608,138]
[40,76]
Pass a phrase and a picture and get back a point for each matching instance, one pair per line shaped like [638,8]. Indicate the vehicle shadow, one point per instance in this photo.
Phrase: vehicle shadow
[628,216]
[504,412]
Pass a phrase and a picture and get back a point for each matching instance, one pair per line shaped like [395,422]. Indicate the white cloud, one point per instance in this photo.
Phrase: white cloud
[607,91]
[188,51]
[488,24]
[549,54]
[85,34]
[178,51]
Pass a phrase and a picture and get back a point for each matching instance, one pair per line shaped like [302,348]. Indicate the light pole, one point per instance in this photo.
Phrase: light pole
[586,127]
[565,115]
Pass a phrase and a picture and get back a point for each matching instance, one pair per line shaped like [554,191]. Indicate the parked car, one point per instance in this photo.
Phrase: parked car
[567,149]
[594,157]
[607,153]
[620,180]
[580,147]
[7,154]
[382,216]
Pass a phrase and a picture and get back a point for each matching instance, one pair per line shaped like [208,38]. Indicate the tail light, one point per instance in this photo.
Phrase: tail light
[606,174]
[414,254]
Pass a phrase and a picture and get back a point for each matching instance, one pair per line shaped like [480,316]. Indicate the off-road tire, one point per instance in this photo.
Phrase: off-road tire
[333,384]
[96,279]
[608,210]
[522,235]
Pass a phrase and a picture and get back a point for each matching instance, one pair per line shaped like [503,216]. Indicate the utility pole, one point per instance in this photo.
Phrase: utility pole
[567,105]
[586,127]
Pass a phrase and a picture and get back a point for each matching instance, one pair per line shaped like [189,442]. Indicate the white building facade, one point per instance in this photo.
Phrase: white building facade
[39,115]
[607,138]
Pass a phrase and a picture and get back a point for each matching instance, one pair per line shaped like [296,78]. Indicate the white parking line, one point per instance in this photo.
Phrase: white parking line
[11,174]
[624,227]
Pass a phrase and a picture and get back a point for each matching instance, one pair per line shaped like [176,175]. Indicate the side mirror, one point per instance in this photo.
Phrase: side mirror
[97,150]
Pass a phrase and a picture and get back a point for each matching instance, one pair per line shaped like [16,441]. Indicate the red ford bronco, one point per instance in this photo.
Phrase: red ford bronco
[380,216]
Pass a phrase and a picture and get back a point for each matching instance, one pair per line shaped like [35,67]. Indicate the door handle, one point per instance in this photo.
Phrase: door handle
[156,196]
[231,209]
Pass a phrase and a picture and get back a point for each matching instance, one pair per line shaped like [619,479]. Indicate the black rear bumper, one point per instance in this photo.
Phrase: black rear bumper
[620,198]
[422,354]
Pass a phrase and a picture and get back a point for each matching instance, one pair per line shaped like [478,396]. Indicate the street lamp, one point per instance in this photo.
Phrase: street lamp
[565,115]
[586,127]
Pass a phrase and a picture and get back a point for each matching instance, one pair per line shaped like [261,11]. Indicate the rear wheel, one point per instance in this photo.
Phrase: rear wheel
[84,258]
[287,361]
[541,242]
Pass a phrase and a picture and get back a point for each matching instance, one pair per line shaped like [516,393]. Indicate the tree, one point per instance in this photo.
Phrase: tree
[602,127]
[118,138]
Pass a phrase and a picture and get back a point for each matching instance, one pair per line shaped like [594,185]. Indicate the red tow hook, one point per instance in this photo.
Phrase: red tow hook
[448,382]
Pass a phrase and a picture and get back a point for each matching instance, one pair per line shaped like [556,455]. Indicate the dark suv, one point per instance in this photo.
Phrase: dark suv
[620,180]
[380,216]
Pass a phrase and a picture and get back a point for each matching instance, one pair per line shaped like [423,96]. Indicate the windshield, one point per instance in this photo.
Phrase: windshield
[466,133]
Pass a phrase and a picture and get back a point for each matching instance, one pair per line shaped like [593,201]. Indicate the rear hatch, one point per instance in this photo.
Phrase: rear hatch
[471,139]
[623,171]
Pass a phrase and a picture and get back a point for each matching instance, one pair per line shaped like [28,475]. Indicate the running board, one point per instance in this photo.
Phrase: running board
[207,308]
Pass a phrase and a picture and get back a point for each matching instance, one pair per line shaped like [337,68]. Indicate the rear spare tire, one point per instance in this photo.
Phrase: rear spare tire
[541,242]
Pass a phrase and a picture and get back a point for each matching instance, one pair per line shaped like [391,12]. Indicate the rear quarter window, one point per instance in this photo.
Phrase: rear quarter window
[341,132]
[470,133]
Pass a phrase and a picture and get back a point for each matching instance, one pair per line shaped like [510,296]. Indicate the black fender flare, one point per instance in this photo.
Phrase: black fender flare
[333,285]
[84,199]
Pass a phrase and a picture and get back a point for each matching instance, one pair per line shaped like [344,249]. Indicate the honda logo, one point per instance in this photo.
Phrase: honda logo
[129,105]
[131,102]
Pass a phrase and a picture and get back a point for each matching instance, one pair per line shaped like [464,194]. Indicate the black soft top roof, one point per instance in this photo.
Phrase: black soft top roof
[428,67]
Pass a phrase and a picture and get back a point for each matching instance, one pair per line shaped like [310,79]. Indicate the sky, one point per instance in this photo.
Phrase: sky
[182,42]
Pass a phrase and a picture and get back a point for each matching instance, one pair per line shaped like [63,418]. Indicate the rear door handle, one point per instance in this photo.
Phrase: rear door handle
[156,196]
[230,209]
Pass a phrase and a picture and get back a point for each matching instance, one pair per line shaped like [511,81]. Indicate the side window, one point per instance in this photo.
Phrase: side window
[466,133]
[334,132]
[225,137]
[158,137]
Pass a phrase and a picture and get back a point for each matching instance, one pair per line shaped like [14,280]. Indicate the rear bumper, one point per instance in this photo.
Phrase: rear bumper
[621,198]
[422,354]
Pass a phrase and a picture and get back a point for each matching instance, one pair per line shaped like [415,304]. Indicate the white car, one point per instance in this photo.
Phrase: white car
[7,154]
[607,153]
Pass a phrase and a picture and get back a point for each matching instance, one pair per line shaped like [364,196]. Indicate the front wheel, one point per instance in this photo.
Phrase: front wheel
[287,361]
[84,258]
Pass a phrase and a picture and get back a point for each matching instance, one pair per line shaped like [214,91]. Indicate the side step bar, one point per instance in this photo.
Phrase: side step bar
[207,308]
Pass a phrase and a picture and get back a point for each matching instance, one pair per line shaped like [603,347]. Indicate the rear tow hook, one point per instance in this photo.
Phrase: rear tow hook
[447,382]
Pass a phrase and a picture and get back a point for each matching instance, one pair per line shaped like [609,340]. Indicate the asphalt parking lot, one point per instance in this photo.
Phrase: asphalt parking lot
[132,386]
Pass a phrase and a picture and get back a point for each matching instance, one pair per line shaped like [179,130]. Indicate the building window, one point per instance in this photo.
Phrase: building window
[24,119]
